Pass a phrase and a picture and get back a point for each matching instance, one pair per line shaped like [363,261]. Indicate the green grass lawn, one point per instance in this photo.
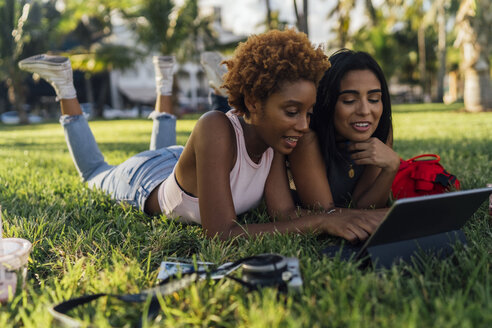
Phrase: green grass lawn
[85,243]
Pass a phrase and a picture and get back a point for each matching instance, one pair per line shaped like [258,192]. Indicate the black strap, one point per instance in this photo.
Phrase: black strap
[59,311]
[445,180]
[166,287]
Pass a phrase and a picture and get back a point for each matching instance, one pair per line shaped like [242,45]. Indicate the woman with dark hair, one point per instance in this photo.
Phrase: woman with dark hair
[347,160]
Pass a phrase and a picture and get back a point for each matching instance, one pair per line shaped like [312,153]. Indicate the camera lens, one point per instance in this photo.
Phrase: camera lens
[265,270]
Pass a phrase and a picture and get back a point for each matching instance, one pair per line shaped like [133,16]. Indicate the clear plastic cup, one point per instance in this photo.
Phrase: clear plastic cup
[14,253]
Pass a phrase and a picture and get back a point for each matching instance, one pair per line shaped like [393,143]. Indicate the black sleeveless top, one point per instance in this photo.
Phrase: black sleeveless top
[341,184]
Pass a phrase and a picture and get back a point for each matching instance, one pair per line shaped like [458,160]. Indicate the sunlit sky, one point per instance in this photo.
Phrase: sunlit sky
[246,16]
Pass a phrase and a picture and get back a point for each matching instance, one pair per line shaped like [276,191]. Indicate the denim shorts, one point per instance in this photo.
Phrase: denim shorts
[133,180]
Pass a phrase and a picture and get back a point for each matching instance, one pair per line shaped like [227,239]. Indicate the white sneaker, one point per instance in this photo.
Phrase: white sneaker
[56,70]
[163,67]
[211,62]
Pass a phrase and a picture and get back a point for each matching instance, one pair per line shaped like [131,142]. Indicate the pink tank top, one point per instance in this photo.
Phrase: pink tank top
[247,183]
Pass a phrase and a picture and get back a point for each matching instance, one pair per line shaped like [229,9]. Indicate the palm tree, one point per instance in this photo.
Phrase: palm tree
[436,16]
[272,20]
[89,23]
[269,14]
[302,17]
[173,30]
[473,23]
[13,14]
[341,15]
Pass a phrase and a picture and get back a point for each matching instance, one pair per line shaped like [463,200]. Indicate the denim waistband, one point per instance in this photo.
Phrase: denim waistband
[133,180]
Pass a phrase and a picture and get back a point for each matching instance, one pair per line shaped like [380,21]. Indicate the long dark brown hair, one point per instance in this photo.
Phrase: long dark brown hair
[322,121]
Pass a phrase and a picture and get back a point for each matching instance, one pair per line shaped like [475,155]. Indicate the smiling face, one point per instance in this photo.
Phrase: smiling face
[359,106]
[283,117]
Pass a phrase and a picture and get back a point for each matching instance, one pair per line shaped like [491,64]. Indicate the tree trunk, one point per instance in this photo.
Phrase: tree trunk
[422,62]
[302,18]
[305,16]
[101,100]
[477,87]
[441,45]
[16,93]
[89,95]
[269,14]
[473,24]
[372,13]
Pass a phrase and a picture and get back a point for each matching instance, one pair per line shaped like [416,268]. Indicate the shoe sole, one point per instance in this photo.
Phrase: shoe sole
[37,62]
[34,67]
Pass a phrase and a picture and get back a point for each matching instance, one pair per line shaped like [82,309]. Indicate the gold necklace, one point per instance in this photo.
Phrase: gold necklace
[351,172]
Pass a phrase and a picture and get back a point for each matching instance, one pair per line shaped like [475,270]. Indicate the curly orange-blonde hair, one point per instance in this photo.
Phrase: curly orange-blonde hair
[264,62]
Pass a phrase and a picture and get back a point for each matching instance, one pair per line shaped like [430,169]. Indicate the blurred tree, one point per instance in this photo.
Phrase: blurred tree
[273,21]
[302,17]
[384,46]
[164,27]
[341,15]
[392,37]
[268,15]
[90,25]
[441,45]
[41,28]
[371,11]
[473,23]
[436,17]
[386,39]
[417,18]
[13,14]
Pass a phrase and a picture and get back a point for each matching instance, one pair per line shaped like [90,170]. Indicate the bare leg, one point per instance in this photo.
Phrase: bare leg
[70,107]
[81,143]
[164,104]
[164,126]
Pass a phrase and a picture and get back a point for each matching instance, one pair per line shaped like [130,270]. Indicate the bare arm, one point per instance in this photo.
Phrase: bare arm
[309,173]
[382,163]
[353,225]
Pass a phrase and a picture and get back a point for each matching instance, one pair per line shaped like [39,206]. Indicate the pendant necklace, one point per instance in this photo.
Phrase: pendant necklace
[351,172]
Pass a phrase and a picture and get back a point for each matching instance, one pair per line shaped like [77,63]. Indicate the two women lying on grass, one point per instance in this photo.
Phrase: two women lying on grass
[231,161]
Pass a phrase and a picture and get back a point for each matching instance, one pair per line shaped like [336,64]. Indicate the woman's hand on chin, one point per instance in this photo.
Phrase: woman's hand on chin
[374,152]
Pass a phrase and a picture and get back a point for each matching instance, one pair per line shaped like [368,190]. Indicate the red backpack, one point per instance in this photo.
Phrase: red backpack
[423,177]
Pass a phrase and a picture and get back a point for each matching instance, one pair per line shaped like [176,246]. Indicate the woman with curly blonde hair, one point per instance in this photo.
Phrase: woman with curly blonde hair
[231,161]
